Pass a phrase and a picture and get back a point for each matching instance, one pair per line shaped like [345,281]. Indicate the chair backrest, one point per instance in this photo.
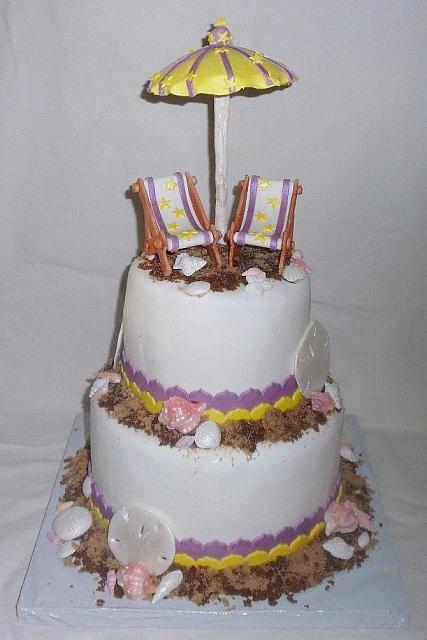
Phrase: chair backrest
[174,212]
[266,212]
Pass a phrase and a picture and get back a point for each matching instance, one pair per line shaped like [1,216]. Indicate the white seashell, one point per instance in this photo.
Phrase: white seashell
[198,288]
[188,264]
[184,442]
[338,548]
[332,389]
[347,452]
[208,435]
[256,287]
[138,533]
[87,487]
[364,539]
[293,273]
[68,548]
[98,383]
[111,581]
[312,359]
[167,584]
[72,523]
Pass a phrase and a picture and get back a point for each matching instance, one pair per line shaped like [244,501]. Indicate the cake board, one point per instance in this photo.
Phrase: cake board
[370,596]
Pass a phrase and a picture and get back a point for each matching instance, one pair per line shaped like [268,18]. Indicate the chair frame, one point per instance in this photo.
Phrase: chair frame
[155,241]
[288,232]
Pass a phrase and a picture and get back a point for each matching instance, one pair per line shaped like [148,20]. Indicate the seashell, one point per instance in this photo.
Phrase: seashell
[184,442]
[322,401]
[54,539]
[62,506]
[312,359]
[87,487]
[188,264]
[68,548]
[256,287]
[254,273]
[332,389]
[72,523]
[98,388]
[293,273]
[111,376]
[297,258]
[198,288]
[136,581]
[111,581]
[338,548]
[347,452]
[167,584]
[181,414]
[208,435]
[364,539]
[138,533]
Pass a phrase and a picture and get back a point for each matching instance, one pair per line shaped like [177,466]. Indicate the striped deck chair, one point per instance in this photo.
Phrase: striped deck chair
[174,217]
[265,217]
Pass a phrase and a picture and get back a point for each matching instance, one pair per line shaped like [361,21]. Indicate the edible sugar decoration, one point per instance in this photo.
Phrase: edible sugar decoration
[188,264]
[139,534]
[136,581]
[196,289]
[347,452]
[181,414]
[257,282]
[338,548]
[345,517]
[208,435]
[167,584]
[312,359]
[72,523]
[297,260]
[322,402]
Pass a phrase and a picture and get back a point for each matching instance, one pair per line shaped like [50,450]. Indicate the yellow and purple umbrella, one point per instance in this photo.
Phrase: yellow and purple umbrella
[220,69]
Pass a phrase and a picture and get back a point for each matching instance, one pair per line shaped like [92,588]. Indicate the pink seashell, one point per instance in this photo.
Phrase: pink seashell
[322,401]
[62,506]
[111,581]
[345,517]
[135,581]
[111,376]
[184,442]
[181,414]
[254,272]
[297,258]
[53,538]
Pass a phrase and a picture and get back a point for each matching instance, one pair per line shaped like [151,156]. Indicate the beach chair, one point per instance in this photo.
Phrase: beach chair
[265,217]
[174,218]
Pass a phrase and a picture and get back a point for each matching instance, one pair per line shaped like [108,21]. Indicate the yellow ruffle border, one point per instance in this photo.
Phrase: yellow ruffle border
[234,560]
[257,413]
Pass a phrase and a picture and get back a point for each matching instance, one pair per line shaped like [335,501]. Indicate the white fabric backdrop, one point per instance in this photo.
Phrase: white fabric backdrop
[74,134]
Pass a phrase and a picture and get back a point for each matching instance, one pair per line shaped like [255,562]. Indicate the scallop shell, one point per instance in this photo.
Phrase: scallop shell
[68,548]
[312,359]
[87,487]
[208,435]
[167,584]
[198,288]
[138,534]
[72,523]
[293,273]
[188,264]
[364,539]
[338,548]
[332,389]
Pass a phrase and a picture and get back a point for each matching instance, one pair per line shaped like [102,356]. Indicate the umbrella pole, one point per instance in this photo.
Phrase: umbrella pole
[221,105]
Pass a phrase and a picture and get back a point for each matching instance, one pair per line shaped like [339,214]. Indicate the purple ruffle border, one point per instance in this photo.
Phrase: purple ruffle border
[223,401]
[242,546]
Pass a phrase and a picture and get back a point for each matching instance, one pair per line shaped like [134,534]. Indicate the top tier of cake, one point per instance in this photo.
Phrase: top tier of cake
[221,341]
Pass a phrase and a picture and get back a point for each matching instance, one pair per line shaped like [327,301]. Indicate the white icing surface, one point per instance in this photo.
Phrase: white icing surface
[220,341]
[219,493]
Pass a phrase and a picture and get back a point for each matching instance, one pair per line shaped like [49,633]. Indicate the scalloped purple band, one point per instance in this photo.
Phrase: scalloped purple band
[242,546]
[224,401]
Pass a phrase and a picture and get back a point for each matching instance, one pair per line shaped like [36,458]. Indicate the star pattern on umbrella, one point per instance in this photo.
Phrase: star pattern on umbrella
[264,183]
[173,226]
[171,184]
[273,202]
[187,234]
[257,57]
[164,203]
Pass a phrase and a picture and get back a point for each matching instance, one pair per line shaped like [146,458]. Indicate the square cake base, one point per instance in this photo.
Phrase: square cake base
[366,597]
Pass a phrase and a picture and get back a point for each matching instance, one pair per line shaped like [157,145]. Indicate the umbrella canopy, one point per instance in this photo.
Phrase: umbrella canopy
[220,69]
